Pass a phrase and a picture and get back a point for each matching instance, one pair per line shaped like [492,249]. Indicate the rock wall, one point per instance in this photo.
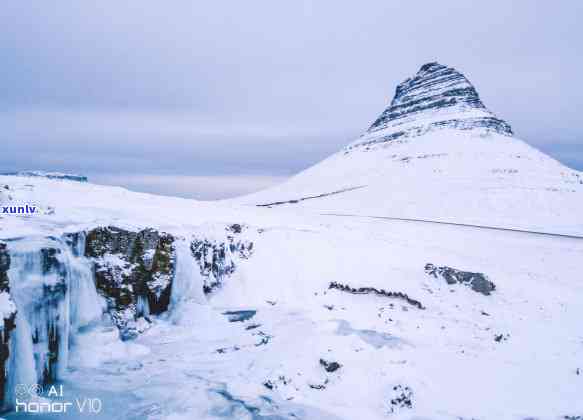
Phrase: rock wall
[215,257]
[4,266]
[133,271]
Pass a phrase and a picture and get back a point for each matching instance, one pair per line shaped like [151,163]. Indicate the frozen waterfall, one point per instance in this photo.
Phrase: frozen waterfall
[53,288]
[86,304]
[187,287]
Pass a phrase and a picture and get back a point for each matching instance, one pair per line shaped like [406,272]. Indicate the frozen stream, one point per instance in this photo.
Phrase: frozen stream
[175,371]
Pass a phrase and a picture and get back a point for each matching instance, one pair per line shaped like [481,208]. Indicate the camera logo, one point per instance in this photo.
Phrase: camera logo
[34,399]
[25,392]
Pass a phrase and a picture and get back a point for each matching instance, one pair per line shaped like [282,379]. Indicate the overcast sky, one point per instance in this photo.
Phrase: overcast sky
[214,99]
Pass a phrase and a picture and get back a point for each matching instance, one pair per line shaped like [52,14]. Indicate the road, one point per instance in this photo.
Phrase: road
[437,222]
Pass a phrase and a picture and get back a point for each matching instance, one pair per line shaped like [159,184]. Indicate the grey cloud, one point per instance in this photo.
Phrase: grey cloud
[198,187]
[93,141]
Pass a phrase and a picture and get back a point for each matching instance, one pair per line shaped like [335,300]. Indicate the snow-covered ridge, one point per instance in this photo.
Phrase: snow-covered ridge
[49,175]
[436,97]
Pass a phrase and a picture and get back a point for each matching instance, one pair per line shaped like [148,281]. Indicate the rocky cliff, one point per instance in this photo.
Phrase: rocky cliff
[133,271]
[86,279]
[215,258]
[4,266]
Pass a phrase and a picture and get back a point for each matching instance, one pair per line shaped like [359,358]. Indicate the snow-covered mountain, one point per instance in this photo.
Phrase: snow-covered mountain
[295,303]
[438,153]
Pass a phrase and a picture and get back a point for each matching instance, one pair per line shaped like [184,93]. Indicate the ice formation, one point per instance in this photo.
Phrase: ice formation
[53,289]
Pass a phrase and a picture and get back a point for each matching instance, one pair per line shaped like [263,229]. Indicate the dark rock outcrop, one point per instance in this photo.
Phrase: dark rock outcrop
[330,366]
[4,266]
[402,398]
[215,259]
[319,387]
[436,97]
[477,281]
[133,271]
[240,316]
[372,290]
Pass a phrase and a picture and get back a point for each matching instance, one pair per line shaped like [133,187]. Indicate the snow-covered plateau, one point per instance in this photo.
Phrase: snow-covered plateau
[429,270]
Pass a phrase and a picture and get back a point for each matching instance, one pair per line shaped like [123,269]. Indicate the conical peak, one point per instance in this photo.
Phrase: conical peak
[431,67]
[435,81]
[436,97]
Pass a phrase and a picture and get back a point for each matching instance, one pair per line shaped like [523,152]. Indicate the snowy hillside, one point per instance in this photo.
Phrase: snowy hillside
[289,304]
[437,153]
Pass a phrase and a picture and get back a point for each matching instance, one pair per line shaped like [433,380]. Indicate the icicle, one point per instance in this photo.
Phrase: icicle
[21,363]
[142,306]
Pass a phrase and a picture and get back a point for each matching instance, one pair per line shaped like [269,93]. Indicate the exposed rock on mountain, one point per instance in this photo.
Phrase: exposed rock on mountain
[436,97]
